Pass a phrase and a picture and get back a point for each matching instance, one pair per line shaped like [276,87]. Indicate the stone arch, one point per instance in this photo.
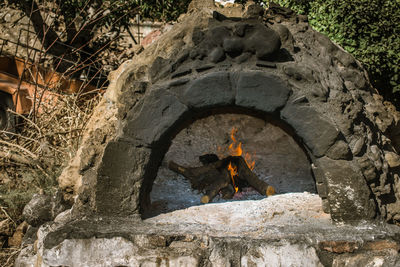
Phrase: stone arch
[130,163]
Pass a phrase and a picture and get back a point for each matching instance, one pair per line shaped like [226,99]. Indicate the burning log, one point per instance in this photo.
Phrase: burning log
[245,173]
[213,189]
[200,177]
[216,176]
[227,192]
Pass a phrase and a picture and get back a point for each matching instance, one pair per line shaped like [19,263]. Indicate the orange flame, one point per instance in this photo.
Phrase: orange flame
[235,149]
[233,172]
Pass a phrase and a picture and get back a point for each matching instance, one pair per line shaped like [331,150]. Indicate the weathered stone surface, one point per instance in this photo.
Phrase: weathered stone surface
[172,238]
[318,133]
[263,42]
[158,113]
[43,208]
[281,255]
[38,210]
[340,150]
[217,85]
[367,259]
[392,158]
[339,246]
[217,55]
[261,91]
[121,171]
[348,194]
[233,46]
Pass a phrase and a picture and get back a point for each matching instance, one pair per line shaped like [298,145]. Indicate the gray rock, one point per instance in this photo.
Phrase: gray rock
[318,133]
[349,196]
[260,91]
[340,150]
[233,46]
[158,113]
[263,42]
[217,85]
[217,55]
[38,210]
[43,208]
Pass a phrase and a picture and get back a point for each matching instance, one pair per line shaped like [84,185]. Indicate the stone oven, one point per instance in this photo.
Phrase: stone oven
[301,103]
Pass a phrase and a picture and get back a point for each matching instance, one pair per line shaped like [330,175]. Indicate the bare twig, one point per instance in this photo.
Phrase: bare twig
[16,158]
[19,147]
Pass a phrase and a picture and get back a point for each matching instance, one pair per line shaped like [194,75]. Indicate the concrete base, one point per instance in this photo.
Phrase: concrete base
[284,230]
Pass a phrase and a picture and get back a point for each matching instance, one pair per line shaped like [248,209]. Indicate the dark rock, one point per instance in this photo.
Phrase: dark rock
[318,133]
[233,46]
[261,91]
[121,169]
[43,208]
[346,59]
[349,196]
[217,35]
[182,57]
[340,150]
[217,55]
[285,36]
[153,117]
[198,53]
[197,36]
[178,82]
[218,16]
[292,71]
[217,85]
[325,42]
[180,73]
[160,68]
[264,42]
[243,57]
[253,11]
[240,29]
[299,72]
[355,77]
[266,64]
[204,67]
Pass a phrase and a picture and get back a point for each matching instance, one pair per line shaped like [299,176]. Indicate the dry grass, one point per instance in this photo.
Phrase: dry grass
[32,158]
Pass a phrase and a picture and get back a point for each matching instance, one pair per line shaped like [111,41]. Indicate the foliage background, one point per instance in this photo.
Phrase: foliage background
[368,29]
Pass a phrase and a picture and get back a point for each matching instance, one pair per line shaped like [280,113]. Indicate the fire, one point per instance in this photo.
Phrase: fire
[233,172]
[235,149]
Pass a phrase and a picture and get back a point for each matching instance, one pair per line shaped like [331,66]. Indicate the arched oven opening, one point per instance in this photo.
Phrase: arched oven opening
[269,147]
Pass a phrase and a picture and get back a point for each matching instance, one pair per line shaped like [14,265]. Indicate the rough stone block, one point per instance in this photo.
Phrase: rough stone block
[158,112]
[264,42]
[211,90]
[348,193]
[123,166]
[261,91]
[318,133]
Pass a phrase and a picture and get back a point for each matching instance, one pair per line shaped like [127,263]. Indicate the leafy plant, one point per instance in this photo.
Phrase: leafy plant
[369,29]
